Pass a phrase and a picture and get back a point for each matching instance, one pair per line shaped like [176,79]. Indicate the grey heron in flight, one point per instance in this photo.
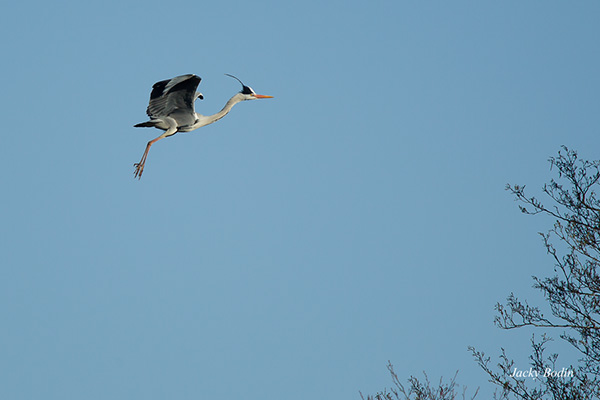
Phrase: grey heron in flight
[171,109]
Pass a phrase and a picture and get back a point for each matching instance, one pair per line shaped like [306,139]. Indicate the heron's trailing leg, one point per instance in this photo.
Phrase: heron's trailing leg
[139,167]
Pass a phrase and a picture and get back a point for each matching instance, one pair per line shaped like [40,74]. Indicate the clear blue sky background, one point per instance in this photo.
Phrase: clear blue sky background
[293,248]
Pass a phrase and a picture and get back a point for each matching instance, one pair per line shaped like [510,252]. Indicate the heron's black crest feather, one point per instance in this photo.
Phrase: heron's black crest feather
[245,89]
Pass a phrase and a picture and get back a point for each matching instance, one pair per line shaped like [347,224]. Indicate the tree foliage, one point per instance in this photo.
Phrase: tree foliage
[572,291]
[420,390]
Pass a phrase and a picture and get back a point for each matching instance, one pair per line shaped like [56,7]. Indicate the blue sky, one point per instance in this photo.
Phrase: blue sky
[294,247]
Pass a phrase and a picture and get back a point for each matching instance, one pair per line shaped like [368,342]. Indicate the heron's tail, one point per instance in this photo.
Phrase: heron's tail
[147,124]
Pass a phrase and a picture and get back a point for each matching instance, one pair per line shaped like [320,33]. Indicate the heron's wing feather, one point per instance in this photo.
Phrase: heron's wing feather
[173,94]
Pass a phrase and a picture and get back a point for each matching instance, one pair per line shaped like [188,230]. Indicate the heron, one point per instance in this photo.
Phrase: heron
[171,109]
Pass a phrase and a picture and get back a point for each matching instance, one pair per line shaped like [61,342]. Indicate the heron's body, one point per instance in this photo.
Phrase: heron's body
[172,110]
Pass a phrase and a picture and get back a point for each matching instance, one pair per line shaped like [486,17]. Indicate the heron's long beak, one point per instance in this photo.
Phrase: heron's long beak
[262,96]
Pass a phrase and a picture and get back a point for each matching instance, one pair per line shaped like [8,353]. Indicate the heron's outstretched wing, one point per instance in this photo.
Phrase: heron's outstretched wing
[177,94]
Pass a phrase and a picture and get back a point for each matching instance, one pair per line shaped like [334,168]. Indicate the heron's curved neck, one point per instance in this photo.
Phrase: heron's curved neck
[209,119]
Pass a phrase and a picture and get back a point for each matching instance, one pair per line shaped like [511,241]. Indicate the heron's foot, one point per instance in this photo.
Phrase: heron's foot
[139,169]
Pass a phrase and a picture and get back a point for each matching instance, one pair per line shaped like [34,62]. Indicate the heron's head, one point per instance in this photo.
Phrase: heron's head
[199,96]
[247,93]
